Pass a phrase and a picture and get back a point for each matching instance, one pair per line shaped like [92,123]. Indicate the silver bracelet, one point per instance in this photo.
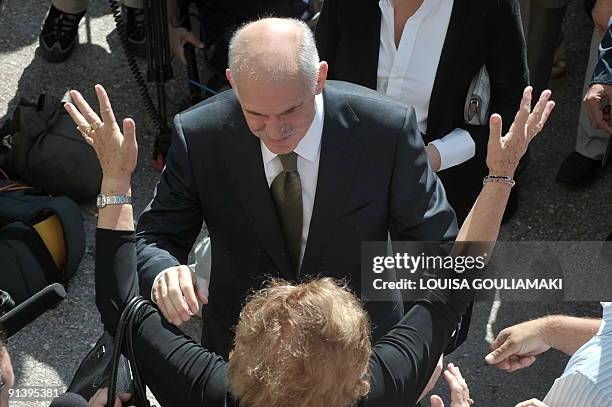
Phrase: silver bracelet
[502,179]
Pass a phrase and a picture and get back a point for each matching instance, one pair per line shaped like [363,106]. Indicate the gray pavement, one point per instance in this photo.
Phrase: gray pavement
[48,351]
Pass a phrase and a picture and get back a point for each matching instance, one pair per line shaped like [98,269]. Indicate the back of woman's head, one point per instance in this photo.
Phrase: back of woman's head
[301,345]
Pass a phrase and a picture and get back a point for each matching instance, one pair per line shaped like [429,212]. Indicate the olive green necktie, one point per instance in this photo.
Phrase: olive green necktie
[287,192]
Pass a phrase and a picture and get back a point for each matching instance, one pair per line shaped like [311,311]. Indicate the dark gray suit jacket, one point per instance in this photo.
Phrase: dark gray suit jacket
[374,179]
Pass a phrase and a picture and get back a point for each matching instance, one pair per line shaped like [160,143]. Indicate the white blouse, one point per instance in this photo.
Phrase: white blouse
[407,73]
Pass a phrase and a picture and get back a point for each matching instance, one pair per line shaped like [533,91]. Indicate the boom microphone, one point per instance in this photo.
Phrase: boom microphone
[26,312]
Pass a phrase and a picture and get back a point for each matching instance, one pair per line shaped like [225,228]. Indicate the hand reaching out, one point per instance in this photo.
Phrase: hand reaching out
[516,347]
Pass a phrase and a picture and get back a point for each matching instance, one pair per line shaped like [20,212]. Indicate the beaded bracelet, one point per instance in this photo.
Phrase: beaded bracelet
[503,179]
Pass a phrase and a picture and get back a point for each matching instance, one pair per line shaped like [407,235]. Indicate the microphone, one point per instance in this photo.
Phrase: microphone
[26,312]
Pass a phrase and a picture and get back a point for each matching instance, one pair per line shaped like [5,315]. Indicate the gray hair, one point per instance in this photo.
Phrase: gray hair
[253,59]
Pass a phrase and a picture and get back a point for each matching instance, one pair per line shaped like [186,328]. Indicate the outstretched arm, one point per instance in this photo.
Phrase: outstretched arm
[518,346]
[199,377]
[399,366]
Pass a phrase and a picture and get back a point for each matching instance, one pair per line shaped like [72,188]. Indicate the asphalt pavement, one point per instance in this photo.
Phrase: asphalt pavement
[46,354]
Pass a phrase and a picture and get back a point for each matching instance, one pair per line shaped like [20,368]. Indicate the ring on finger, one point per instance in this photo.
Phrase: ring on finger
[84,129]
[95,125]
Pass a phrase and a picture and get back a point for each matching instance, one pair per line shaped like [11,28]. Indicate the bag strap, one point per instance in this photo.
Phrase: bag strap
[11,185]
[140,396]
[131,313]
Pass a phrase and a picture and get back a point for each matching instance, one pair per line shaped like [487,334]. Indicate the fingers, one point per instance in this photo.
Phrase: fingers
[84,108]
[495,131]
[108,117]
[550,105]
[520,120]
[531,403]
[129,134]
[99,398]
[188,285]
[79,120]
[503,347]
[201,288]
[186,37]
[170,293]
[515,362]
[192,39]
[121,398]
[596,115]
[539,116]
[175,301]
[436,401]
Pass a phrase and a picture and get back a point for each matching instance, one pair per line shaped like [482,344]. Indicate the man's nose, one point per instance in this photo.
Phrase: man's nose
[274,128]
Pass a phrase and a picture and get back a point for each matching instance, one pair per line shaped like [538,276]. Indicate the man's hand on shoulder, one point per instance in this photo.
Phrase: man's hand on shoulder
[176,293]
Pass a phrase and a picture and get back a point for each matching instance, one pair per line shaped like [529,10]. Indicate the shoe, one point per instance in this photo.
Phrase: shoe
[134,23]
[578,170]
[59,34]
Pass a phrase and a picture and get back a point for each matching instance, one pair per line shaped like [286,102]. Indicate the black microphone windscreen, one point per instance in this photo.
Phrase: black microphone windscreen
[32,308]
[69,400]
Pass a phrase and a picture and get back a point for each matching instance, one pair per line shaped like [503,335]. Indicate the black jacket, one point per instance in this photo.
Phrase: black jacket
[480,32]
[374,179]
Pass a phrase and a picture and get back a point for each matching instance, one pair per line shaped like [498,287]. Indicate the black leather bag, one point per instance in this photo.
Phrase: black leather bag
[106,365]
[39,144]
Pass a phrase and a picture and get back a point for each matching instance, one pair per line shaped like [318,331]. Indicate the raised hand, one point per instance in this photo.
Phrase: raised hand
[504,153]
[116,151]
[460,393]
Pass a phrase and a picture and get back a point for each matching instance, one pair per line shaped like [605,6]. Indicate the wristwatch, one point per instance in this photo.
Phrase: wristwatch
[103,200]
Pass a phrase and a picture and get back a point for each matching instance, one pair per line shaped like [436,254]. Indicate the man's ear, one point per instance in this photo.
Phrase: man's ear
[228,75]
[322,77]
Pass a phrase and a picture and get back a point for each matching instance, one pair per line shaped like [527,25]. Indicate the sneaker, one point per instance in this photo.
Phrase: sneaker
[134,23]
[578,170]
[59,34]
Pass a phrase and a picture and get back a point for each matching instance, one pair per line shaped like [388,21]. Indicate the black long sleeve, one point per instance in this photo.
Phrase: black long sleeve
[181,372]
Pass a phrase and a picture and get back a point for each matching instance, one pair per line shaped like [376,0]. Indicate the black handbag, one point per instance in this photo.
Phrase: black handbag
[106,366]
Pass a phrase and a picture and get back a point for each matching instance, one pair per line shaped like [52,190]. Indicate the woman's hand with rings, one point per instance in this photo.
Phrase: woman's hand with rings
[116,151]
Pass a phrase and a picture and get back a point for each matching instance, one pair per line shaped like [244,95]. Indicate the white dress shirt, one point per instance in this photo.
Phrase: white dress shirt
[309,152]
[407,73]
[587,379]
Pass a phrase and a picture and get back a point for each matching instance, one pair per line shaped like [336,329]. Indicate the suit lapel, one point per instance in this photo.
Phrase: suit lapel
[242,154]
[450,58]
[339,157]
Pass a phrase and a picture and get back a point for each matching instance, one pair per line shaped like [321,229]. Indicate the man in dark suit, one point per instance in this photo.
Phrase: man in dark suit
[291,174]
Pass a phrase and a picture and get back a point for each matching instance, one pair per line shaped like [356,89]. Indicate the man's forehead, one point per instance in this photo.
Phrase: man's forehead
[272,99]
